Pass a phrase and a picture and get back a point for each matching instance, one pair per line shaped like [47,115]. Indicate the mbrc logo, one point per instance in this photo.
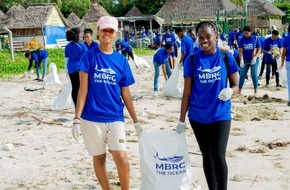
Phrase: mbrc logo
[173,165]
[105,75]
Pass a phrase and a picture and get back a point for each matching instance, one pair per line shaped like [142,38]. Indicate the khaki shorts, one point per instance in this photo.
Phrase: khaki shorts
[97,135]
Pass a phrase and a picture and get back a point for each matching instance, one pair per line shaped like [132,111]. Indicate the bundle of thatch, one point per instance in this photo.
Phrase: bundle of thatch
[134,11]
[95,12]
[1,15]
[73,20]
[14,11]
[183,10]
[262,7]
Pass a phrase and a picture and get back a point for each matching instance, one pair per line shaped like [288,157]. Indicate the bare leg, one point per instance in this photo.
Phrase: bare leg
[122,163]
[100,171]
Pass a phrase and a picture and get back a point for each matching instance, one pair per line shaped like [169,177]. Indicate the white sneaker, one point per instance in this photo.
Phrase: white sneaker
[155,93]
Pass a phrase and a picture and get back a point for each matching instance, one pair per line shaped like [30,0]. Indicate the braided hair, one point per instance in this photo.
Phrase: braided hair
[204,24]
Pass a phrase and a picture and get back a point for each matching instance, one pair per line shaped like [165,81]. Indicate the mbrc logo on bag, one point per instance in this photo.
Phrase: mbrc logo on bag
[173,165]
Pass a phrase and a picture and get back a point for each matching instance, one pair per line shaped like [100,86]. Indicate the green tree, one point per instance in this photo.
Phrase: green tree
[79,7]
[238,3]
[284,5]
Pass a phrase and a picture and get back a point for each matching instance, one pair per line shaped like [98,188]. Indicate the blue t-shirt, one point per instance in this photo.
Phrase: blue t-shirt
[286,45]
[187,46]
[268,45]
[126,38]
[209,75]
[108,73]
[231,38]
[157,38]
[262,41]
[161,56]
[125,47]
[248,45]
[73,51]
[169,38]
[285,34]
[42,53]
[93,45]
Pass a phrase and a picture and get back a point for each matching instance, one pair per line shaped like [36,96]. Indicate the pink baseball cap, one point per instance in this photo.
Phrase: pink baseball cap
[108,22]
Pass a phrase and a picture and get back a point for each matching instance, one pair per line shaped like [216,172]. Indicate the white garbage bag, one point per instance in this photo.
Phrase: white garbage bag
[140,62]
[64,99]
[282,74]
[52,78]
[171,88]
[283,77]
[164,161]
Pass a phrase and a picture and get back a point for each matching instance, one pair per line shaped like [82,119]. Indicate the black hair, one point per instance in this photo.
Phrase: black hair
[88,31]
[177,30]
[168,46]
[73,34]
[204,24]
[289,28]
[247,29]
[275,32]
[27,53]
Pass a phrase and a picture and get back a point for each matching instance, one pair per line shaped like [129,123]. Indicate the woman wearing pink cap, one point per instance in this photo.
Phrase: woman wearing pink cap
[105,77]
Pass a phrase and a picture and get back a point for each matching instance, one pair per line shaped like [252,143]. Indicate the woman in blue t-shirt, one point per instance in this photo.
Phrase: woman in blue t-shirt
[286,57]
[89,42]
[40,57]
[105,77]
[249,54]
[72,53]
[206,97]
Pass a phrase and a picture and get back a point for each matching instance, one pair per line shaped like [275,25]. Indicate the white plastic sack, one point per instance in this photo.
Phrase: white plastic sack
[64,98]
[282,74]
[283,77]
[52,78]
[171,87]
[164,161]
[140,62]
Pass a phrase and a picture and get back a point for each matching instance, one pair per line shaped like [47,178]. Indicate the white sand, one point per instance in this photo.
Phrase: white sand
[46,157]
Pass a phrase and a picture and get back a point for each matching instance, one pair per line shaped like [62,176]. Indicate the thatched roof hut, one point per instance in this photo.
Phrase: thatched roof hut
[263,8]
[95,12]
[264,14]
[73,20]
[90,19]
[2,15]
[193,11]
[42,21]
[14,11]
[134,11]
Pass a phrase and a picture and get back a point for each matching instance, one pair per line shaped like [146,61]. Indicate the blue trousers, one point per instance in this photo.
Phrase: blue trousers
[254,73]
[157,73]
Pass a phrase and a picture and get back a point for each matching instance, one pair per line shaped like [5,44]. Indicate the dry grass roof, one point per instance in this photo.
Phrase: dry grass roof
[34,16]
[193,9]
[134,11]
[73,20]
[95,12]
[14,11]
[263,8]
[1,15]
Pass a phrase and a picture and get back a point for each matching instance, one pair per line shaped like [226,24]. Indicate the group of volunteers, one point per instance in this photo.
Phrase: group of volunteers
[100,78]
[252,49]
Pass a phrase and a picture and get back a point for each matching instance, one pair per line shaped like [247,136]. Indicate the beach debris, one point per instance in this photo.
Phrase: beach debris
[33,89]
[272,145]
[237,178]
[137,97]
[256,113]
[242,148]
[45,122]
[18,144]
[261,149]
[8,147]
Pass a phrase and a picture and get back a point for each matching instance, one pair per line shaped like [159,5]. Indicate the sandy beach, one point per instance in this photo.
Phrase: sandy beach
[37,150]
